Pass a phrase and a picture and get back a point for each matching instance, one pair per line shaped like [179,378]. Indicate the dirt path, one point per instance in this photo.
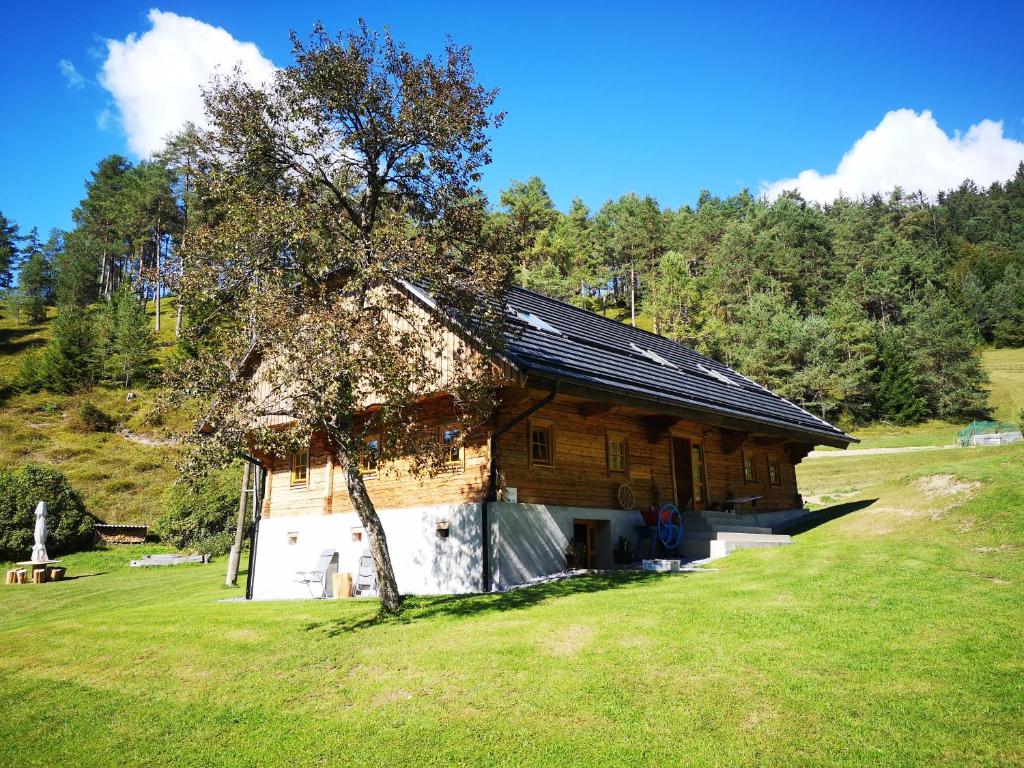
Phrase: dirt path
[134,437]
[850,452]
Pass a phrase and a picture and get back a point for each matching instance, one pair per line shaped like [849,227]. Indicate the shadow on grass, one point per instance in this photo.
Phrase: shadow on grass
[83,576]
[416,608]
[12,340]
[822,516]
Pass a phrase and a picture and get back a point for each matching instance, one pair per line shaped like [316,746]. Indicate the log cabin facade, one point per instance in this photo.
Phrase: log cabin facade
[597,422]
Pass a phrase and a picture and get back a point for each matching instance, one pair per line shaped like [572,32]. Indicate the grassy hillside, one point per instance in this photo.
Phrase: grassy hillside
[892,635]
[1005,368]
[121,478]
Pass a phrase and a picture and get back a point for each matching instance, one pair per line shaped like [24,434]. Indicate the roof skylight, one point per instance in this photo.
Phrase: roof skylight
[535,322]
[651,355]
[716,375]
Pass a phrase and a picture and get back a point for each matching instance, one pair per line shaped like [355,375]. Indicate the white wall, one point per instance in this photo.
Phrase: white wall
[423,563]
[529,540]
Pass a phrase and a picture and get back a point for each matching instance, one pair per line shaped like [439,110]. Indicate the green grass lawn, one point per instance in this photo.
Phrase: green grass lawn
[892,635]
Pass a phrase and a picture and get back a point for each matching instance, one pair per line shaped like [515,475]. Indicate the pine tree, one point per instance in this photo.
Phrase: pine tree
[68,362]
[35,280]
[897,399]
[8,251]
[1007,300]
[125,345]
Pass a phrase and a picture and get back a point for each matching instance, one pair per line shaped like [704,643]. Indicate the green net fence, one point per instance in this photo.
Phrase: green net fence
[966,435]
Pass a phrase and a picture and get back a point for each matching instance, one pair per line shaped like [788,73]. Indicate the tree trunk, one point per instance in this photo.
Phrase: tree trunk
[156,291]
[632,295]
[348,460]
[236,548]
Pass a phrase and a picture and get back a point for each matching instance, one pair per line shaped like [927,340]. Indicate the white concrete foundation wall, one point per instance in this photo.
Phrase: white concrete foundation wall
[997,438]
[423,562]
[529,540]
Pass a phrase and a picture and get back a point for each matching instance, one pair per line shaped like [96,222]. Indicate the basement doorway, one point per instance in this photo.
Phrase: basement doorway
[594,539]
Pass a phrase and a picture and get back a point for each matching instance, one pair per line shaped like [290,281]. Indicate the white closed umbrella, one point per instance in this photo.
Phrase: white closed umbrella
[39,550]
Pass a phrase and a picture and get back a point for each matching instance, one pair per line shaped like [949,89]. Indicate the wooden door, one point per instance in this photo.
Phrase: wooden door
[585,533]
[689,474]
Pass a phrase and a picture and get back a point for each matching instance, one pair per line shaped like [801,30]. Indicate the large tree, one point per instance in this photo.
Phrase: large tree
[35,278]
[8,250]
[335,191]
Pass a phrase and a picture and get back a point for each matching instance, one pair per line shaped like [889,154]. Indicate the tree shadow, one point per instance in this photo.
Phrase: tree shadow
[82,576]
[822,516]
[12,340]
[416,608]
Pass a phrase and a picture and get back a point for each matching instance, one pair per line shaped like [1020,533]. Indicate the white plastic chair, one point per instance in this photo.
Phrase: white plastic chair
[319,579]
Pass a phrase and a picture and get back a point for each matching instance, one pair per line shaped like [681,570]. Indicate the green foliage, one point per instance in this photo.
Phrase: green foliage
[202,515]
[78,269]
[684,307]
[948,275]
[1007,308]
[95,418]
[897,397]
[941,341]
[125,346]
[8,250]
[68,362]
[35,281]
[69,527]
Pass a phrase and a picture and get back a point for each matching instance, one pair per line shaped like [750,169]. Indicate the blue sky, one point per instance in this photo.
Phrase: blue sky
[601,99]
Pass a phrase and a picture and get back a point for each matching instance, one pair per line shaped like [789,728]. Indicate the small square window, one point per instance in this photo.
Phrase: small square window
[300,467]
[369,456]
[542,445]
[357,534]
[451,440]
[774,476]
[618,452]
[749,467]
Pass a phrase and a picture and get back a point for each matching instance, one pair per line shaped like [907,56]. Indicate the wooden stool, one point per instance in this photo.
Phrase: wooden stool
[22,576]
[55,574]
[12,576]
[39,576]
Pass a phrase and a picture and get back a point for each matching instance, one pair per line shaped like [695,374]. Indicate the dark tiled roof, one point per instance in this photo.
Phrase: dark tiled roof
[549,338]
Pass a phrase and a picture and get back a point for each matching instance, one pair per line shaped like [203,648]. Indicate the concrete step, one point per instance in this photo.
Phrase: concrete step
[737,536]
[723,528]
[725,517]
[728,547]
[715,544]
[754,538]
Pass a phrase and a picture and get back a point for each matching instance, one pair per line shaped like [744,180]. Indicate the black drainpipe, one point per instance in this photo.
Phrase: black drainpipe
[492,481]
[261,486]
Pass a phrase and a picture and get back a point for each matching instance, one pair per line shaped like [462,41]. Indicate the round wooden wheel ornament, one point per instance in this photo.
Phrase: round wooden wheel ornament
[626,498]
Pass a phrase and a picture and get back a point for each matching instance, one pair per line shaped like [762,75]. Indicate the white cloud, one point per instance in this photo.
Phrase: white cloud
[155,78]
[910,150]
[103,118]
[72,75]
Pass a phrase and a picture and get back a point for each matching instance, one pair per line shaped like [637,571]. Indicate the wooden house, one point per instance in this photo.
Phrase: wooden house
[597,423]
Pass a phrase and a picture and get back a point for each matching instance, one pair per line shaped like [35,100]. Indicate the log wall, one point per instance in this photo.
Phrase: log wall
[392,486]
[578,477]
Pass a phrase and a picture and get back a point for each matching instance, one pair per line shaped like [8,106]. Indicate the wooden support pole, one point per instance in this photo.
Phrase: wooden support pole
[236,548]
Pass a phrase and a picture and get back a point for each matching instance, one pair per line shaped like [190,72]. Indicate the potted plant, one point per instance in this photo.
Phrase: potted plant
[574,555]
